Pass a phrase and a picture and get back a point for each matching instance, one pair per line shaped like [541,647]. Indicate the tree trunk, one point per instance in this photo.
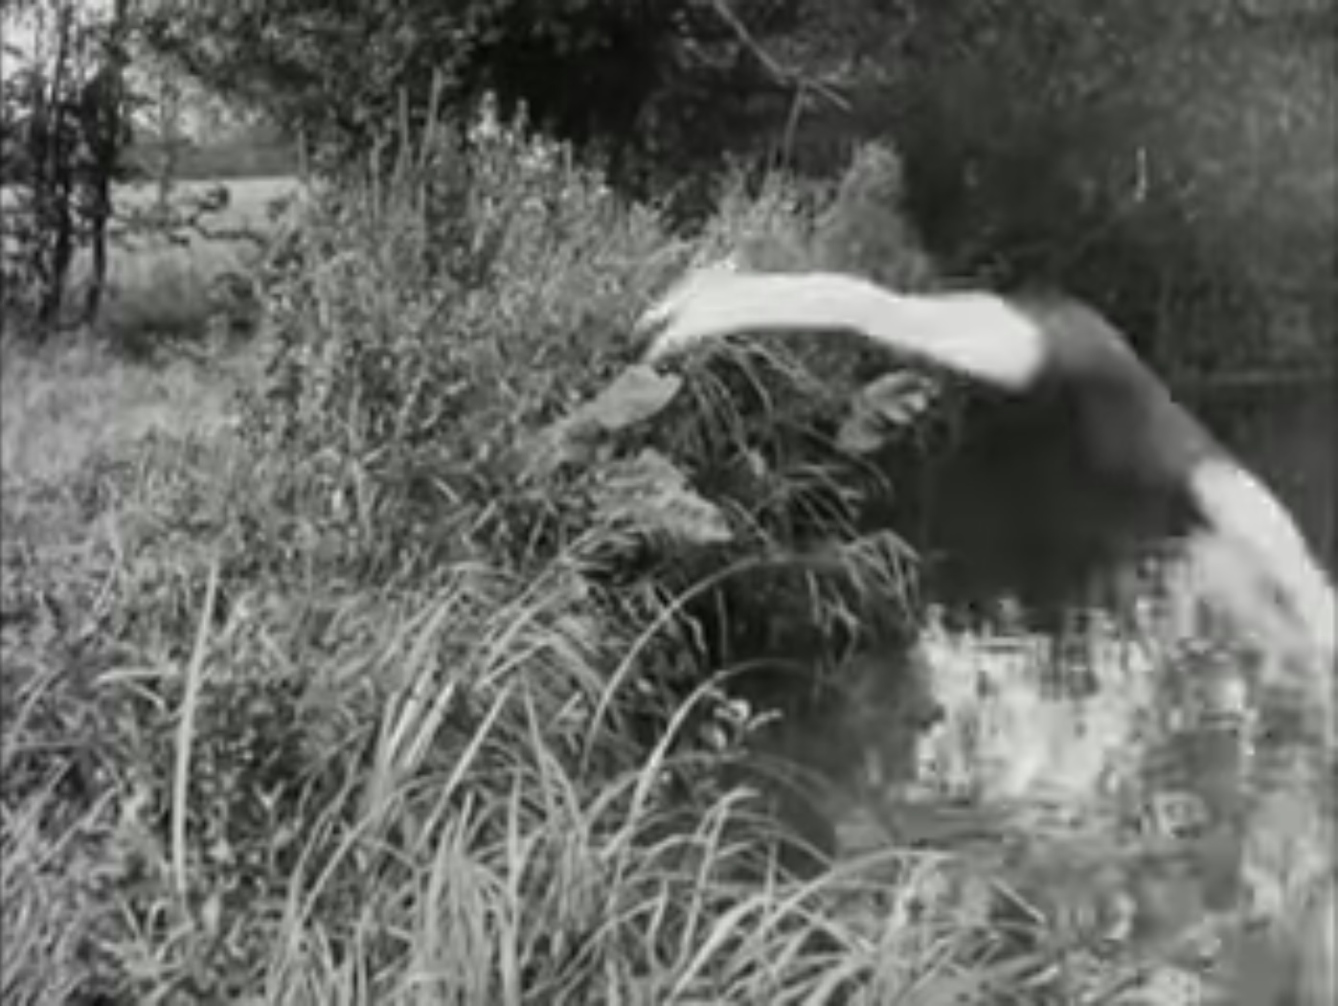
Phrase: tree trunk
[55,183]
[106,118]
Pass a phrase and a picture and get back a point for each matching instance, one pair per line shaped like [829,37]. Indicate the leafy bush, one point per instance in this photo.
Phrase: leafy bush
[420,680]
[380,691]
[1122,152]
[423,373]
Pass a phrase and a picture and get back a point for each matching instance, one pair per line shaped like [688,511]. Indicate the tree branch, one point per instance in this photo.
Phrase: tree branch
[789,78]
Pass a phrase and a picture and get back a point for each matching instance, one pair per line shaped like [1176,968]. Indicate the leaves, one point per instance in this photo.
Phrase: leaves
[63,136]
[646,494]
[652,495]
[638,394]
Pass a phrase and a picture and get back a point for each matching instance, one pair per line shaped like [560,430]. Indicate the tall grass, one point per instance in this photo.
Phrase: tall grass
[352,700]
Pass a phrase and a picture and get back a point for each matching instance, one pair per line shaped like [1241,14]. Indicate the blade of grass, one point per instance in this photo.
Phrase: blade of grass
[186,733]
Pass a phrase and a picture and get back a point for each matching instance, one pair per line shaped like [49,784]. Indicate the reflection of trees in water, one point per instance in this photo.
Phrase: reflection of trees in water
[1185,769]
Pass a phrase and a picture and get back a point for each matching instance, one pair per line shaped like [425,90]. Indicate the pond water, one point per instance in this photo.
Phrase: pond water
[1163,732]
[1283,431]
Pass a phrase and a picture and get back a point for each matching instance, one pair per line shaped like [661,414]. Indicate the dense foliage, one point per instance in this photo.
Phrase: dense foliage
[417,675]
[1094,145]
[1117,150]
[656,88]
[64,126]
[1173,165]
[423,675]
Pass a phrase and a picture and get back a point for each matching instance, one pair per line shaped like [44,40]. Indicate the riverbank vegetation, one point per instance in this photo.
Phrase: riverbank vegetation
[405,641]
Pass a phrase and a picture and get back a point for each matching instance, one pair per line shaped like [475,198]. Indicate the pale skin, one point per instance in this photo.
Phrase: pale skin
[1245,514]
[975,334]
[983,336]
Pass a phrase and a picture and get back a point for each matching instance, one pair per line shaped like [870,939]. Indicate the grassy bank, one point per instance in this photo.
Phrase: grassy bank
[384,662]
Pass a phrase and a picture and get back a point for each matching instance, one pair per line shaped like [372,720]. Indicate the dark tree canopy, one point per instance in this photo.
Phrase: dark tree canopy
[649,84]
[1174,164]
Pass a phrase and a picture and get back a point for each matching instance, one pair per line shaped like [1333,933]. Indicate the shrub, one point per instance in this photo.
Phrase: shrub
[419,681]
[375,683]
[436,325]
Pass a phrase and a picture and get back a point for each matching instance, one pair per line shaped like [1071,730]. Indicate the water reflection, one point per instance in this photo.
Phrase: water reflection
[1156,736]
